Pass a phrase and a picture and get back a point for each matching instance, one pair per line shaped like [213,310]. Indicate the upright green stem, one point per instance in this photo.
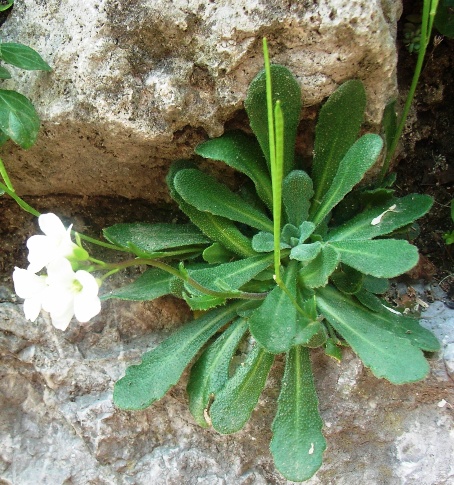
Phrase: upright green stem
[428,15]
[276,144]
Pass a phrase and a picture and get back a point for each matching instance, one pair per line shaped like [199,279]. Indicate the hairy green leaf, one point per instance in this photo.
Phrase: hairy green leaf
[317,272]
[152,284]
[217,253]
[347,279]
[231,275]
[244,154]
[218,229]
[22,56]
[383,258]
[274,324]
[285,89]
[337,129]
[263,242]
[162,367]
[298,443]
[297,192]
[358,159]
[18,118]
[154,237]
[211,371]
[206,194]
[384,219]
[234,403]
[386,354]
[4,73]
[306,252]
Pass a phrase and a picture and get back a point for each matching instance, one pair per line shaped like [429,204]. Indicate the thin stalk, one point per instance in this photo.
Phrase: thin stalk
[20,202]
[5,176]
[242,295]
[428,15]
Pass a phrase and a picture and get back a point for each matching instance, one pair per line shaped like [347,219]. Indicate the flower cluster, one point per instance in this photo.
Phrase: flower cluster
[63,292]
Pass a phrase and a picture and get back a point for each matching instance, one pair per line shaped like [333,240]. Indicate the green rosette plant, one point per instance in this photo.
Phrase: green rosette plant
[283,265]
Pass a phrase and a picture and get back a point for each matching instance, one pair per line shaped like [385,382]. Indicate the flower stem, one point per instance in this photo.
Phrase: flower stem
[428,15]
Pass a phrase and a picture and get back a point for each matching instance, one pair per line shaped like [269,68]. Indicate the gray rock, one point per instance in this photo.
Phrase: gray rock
[137,84]
[58,423]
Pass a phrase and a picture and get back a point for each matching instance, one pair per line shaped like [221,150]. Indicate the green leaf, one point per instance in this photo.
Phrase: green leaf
[306,252]
[18,118]
[274,324]
[4,73]
[383,258]
[203,302]
[297,192]
[298,444]
[206,194]
[347,279]
[403,211]
[235,402]
[154,237]
[389,124]
[244,154]
[444,20]
[217,253]
[22,56]
[231,275]
[263,242]
[306,229]
[337,129]
[8,4]
[218,229]
[333,350]
[285,89]
[386,354]
[152,284]
[317,272]
[375,285]
[359,158]
[210,373]
[162,367]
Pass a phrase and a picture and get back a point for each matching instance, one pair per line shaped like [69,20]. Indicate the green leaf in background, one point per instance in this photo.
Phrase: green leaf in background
[22,56]
[234,403]
[384,219]
[274,324]
[244,154]
[297,192]
[211,371]
[150,238]
[298,443]
[206,194]
[337,129]
[444,19]
[356,162]
[383,258]
[347,279]
[6,5]
[18,118]
[162,367]
[317,272]
[386,354]
[4,73]
[375,285]
[285,89]
[152,284]
[389,124]
[217,253]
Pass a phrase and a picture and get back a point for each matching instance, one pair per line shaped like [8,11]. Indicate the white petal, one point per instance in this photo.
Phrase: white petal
[86,307]
[61,321]
[88,282]
[41,251]
[60,273]
[51,225]
[27,284]
[58,300]
[32,307]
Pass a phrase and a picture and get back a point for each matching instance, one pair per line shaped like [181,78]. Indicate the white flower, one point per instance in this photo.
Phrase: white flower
[32,288]
[70,293]
[55,244]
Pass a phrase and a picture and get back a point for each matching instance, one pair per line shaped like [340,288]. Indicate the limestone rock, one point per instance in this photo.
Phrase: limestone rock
[137,84]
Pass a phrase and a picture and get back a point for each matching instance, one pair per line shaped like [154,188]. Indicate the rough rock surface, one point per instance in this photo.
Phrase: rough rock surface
[137,84]
[58,424]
